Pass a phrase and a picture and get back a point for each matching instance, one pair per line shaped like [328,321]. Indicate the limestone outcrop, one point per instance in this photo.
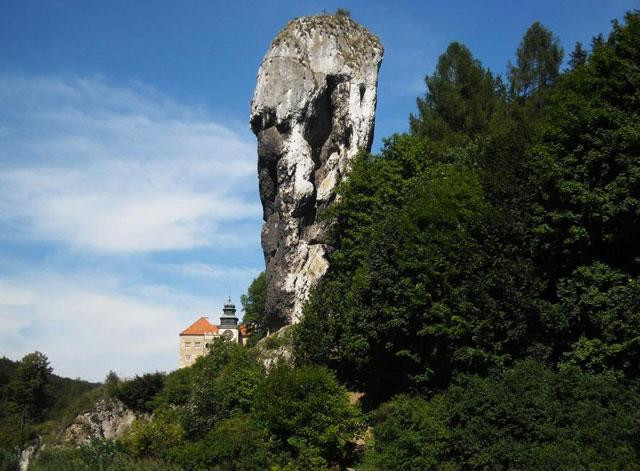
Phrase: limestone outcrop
[108,419]
[313,109]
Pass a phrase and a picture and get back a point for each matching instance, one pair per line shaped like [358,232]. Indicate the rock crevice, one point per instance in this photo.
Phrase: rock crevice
[313,109]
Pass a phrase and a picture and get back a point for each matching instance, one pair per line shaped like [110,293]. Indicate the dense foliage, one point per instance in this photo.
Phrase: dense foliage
[97,455]
[463,257]
[307,414]
[27,391]
[31,398]
[528,417]
[137,393]
[253,305]
[224,412]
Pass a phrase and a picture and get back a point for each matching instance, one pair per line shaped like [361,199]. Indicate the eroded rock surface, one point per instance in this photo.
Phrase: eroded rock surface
[313,109]
[108,419]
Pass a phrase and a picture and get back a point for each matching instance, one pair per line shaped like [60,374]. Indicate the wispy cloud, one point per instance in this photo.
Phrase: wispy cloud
[209,271]
[118,169]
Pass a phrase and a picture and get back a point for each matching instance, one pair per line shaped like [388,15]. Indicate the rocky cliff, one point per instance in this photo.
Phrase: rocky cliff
[313,109]
[108,419]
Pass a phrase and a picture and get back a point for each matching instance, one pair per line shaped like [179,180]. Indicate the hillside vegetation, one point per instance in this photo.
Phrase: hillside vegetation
[483,297]
[33,402]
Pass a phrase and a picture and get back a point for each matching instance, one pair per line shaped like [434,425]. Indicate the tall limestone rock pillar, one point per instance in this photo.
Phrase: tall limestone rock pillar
[313,109]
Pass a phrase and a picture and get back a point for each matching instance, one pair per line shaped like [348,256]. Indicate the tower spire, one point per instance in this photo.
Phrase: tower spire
[228,317]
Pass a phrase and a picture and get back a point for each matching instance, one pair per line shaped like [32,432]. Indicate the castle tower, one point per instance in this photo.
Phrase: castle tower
[229,327]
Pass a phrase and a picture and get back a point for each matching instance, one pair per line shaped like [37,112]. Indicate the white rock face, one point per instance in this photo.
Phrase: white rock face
[107,420]
[27,455]
[313,109]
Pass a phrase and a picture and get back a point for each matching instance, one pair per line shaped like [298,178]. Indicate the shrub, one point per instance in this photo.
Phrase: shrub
[237,443]
[528,417]
[410,434]
[8,460]
[153,438]
[225,383]
[177,388]
[307,412]
[137,393]
[102,455]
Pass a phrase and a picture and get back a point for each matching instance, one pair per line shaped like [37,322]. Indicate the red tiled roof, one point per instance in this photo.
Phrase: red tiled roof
[200,327]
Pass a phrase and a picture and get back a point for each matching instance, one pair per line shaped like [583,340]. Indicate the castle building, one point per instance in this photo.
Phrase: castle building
[196,339]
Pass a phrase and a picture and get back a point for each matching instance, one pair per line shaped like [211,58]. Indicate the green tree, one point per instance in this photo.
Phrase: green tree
[461,98]
[538,60]
[236,443]
[225,384]
[578,56]
[410,434]
[153,438]
[587,166]
[28,387]
[599,319]
[308,414]
[419,288]
[139,392]
[9,460]
[112,383]
[177,387]
[253,305]
[527,417]
[452,259]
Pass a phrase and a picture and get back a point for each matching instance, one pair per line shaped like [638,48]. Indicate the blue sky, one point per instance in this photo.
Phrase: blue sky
[128,194]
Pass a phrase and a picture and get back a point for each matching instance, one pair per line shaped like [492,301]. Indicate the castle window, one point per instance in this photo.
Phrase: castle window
[197,345]
[187,358]
[187,345]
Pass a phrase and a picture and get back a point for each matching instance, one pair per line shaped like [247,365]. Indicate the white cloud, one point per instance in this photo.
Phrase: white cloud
[89,327]
[209,271]
[114,169]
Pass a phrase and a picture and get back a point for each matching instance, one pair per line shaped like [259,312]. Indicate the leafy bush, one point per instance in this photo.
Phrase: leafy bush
[224,384]
[237,443]
[102,455]
[253,305]
[153,438]
[177,388]
[8,460]
[138,393]
[308,414]
[410,434]
[529,417]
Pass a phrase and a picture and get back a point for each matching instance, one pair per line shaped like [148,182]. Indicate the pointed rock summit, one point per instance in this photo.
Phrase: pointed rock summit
[313,109]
